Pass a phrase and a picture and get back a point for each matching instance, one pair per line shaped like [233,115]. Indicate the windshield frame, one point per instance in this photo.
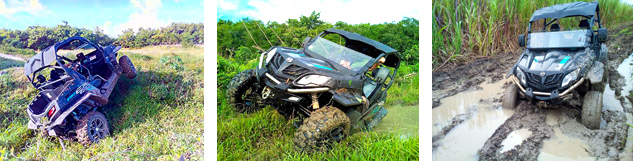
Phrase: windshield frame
[338,66]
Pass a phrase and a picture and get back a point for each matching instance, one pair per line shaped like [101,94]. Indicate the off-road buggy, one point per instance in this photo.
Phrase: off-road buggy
[562,66]
[74,77]
[335,89]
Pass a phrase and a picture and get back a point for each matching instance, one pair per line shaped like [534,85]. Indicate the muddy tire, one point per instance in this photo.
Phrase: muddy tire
[91,128]
[128,68]
[510,97]
[592,110]
[324,127]
[243,93]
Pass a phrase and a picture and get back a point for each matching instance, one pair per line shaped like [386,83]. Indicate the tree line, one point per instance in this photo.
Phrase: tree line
[41,37]
[234,41]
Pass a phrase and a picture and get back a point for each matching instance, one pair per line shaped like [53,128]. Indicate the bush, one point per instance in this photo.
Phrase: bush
[172,61]
[7,49]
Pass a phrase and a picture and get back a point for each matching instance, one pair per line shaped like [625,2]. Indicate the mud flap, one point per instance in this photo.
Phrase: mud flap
[382,112]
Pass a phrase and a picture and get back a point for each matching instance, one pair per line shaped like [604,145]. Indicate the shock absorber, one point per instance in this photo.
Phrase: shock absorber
[315,101]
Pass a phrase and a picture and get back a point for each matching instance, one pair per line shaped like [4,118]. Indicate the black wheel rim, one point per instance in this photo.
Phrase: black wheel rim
[335,135]
[97,129]
[249,99]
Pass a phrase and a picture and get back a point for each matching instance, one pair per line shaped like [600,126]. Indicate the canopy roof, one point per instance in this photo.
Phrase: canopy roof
[357,37]
[586,9]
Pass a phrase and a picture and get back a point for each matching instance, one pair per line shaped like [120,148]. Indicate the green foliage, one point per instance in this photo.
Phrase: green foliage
[8,49]
[186,34]
[402,35]
[172,61]
[470,28]
[9,63]
[40,37]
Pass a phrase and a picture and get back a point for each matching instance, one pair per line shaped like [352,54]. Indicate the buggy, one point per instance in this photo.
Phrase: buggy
[336,88]
[562,66]
[74,77]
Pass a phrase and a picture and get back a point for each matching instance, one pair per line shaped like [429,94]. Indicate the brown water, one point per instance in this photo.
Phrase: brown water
[403,120]
[515,138]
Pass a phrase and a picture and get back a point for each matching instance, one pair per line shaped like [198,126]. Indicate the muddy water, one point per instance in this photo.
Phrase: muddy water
[400,119]
[515,138]
[459,103]
[561,146]
[463,141]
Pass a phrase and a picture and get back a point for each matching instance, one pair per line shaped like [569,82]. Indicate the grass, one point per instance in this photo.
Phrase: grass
[267,135]
[9,63]
[157,116]
[467,29]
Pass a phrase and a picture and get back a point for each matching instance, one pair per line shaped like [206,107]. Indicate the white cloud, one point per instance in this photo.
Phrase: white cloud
[224,5]
[146,17]
[351,12]
[10,7]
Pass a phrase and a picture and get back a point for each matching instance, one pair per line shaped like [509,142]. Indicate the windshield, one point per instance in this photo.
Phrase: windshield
[558,39]
[74,48]
[345,57]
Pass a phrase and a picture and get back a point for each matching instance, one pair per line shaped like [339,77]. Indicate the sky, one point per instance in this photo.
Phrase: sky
[628,1]
[332,11]
[112,16]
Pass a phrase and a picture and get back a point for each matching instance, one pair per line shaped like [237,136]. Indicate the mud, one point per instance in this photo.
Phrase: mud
[467,77]
[530,133]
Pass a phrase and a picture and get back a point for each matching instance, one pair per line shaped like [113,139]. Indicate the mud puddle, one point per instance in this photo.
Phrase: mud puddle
[462,102]
[402,120]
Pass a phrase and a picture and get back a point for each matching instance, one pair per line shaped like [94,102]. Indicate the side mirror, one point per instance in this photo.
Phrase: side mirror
[602,35]
[305,41]
[522,40]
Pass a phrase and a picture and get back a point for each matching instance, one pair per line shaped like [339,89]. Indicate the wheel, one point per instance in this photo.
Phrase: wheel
[592,110]
[91,128]
[324,127]
[509,99]
[128,68]
[243,93]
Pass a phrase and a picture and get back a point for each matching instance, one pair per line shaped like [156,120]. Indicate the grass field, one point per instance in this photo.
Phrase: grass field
[267,135]
[467,29]
[157,116]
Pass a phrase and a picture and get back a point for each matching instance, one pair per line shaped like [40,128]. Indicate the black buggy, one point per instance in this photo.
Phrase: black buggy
[562,66]
[335,89]
[74,77]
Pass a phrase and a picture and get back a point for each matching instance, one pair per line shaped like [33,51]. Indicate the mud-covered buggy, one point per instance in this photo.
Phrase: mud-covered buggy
[562,65]
[336,83]
[74,77]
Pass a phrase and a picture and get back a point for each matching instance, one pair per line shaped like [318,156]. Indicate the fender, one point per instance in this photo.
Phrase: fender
[347,98]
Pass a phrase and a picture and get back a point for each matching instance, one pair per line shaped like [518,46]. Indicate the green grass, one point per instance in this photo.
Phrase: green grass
[466,29]
[157,116]
[9,63]
[267,135]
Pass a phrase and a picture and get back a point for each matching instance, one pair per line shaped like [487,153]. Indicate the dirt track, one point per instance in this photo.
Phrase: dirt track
[606,142]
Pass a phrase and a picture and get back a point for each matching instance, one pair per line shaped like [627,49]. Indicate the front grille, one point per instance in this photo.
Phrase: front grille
[294,70]
[548,84]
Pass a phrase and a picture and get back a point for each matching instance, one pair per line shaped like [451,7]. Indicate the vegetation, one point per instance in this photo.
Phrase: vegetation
[467,29]
[267,135]
[157,116]
[41,37]
[8,63]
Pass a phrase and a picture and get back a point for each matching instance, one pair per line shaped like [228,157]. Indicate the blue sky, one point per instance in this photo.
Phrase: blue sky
[112,16]
[350,11]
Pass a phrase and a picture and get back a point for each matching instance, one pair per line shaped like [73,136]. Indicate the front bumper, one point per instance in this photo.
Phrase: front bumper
[553,97]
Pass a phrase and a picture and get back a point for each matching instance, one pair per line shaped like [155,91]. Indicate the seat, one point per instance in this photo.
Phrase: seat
[584,24]
[554,27]
[372,87]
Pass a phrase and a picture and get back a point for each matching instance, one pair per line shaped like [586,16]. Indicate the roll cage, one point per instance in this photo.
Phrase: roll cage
[49,58]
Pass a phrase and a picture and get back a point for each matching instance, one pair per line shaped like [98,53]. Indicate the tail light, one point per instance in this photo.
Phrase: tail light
[51,111]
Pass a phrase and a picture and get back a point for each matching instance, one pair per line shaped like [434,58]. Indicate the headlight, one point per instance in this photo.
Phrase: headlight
[572,76]
[520,75]
[313,80]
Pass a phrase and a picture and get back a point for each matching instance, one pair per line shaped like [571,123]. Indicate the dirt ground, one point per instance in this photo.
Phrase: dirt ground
[606,142]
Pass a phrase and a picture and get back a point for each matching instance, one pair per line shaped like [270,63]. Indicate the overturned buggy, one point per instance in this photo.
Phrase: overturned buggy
[74,77]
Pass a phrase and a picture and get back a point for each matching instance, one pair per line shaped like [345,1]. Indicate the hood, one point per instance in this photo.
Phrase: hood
[554,61]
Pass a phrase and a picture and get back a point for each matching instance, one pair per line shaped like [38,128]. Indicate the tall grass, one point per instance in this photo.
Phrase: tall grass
[467,29]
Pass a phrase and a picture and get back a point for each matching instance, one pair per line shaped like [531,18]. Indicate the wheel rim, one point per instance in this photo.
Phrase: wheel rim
[248,99]
[97,129]
[335,135]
